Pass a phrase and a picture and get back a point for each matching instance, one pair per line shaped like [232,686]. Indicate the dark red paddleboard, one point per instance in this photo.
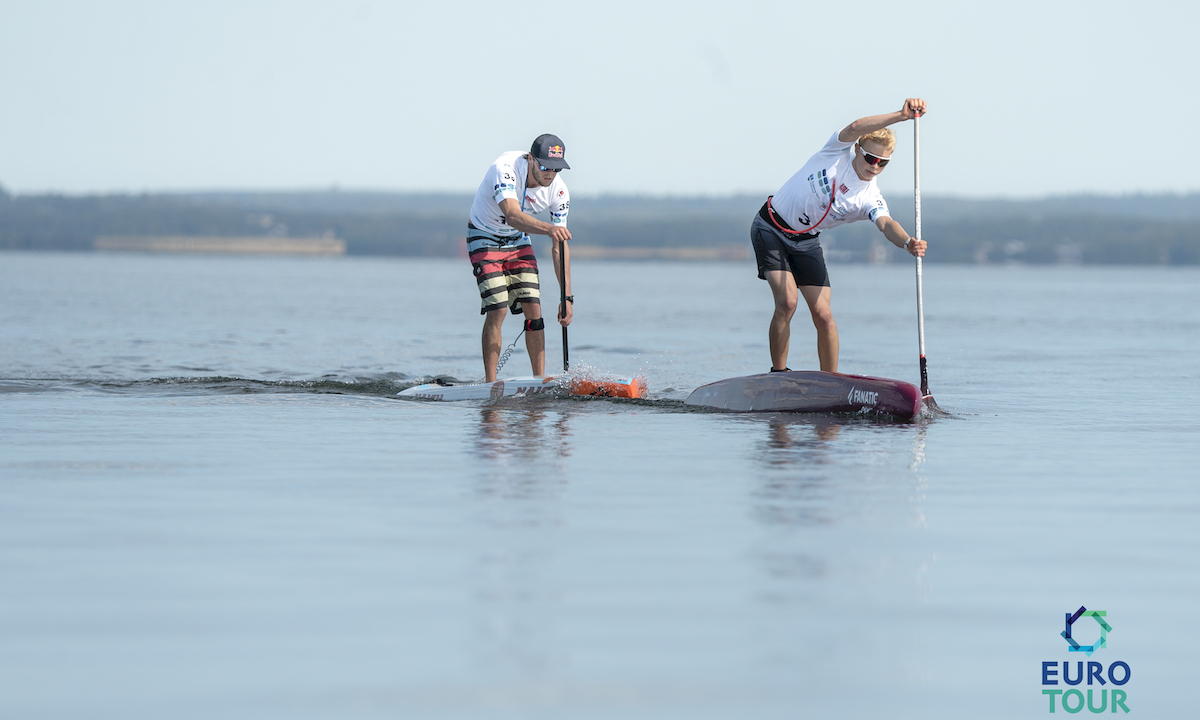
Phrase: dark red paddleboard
[810,392]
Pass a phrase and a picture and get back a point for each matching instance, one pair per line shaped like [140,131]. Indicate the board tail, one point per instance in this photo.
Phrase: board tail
[634,387]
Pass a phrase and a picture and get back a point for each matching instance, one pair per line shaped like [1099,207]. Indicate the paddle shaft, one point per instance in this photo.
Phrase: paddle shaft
[562,291]
[920,294]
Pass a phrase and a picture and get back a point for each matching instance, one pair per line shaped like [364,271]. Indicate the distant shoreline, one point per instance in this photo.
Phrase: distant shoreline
[224,245]
[1069,230]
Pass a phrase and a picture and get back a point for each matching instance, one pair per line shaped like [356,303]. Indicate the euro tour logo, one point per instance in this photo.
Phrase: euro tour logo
[1099,698]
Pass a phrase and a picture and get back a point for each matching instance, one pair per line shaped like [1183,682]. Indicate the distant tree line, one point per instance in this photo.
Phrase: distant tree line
[1065,239]
[1076,230]
[56,222]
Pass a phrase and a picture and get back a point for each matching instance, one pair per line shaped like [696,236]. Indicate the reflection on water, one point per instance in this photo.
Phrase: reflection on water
[918,448]
[789,439]
[525,449]
[826,485]
[920,483]
[811,466]
[520,493]
[526,433]
[796,451]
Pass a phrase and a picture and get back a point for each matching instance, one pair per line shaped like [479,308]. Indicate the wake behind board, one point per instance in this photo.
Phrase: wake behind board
[530,385]
[810,392]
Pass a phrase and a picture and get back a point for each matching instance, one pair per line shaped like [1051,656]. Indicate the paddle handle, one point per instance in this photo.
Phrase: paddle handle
[562,292]
[917,225]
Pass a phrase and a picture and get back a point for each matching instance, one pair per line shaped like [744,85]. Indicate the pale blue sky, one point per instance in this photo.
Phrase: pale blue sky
[1026,98]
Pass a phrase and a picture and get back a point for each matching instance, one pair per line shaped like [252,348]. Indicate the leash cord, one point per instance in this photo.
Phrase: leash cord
[507,353]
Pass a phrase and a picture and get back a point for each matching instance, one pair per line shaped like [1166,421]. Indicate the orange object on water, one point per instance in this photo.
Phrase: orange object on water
[622,388]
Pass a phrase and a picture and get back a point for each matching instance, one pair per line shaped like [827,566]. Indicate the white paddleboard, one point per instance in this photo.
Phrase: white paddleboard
[531,385]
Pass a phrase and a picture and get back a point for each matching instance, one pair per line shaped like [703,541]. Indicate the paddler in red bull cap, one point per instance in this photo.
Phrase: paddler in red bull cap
[836,186]
[517,186]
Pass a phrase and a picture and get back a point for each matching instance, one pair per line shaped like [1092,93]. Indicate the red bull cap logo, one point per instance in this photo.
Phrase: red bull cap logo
[556,151]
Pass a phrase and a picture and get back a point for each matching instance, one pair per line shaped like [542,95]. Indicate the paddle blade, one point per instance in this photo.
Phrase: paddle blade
[618,388]
[930,409]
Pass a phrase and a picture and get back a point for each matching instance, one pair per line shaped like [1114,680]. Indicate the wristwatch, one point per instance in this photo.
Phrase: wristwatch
[570,299]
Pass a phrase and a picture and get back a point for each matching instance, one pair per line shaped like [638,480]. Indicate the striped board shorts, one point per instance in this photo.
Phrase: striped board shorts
[505,270]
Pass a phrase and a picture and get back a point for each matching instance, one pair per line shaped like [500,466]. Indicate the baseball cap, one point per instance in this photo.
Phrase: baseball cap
[550,151]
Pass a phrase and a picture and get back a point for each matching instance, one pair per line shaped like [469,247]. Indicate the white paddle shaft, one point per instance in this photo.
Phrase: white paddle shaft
[920,294]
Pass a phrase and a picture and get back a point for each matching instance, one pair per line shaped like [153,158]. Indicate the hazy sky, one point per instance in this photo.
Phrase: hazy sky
[678,98]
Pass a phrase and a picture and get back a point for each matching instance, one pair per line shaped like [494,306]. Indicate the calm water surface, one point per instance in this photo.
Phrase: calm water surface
[212,504]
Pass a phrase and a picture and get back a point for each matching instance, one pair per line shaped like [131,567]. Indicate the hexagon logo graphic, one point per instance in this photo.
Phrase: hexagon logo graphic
[1099,616]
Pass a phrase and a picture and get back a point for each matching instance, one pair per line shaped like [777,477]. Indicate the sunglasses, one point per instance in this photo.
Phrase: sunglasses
[543,168]
[874,159]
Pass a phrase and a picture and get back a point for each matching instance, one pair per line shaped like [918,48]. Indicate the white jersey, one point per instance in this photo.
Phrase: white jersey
[803,200]
[506,178]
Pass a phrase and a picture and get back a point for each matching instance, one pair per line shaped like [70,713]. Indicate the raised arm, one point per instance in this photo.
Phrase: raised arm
[896,235]
[852,132]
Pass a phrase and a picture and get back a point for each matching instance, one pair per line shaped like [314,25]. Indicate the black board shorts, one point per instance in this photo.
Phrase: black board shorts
[775,251]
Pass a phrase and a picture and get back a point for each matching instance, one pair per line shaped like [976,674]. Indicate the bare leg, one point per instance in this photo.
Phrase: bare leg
[822,315]
[783,288]
[491,342]
[535,342]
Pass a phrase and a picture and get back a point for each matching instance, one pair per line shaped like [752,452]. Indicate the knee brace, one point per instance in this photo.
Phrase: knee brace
[532,325]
